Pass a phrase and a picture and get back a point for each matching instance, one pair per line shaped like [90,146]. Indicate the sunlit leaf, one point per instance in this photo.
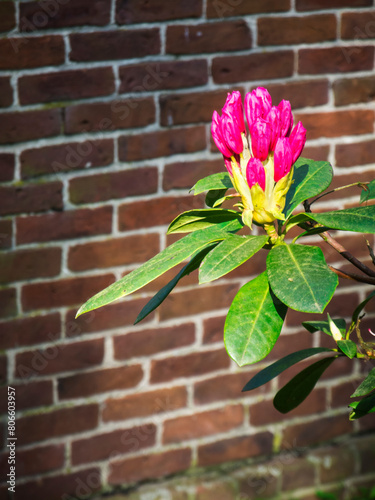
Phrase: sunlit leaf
[193,220]
[348,347]
[214,181]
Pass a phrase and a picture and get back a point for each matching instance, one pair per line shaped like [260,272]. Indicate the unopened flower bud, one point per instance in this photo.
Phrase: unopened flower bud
[273,118]
[283,158]
[260,133]
[297,140]
[286,118]
[217,135]
[257,104]
[255,173]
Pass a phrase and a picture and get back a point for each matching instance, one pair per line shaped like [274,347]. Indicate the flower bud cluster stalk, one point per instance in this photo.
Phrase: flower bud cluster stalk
[260,164]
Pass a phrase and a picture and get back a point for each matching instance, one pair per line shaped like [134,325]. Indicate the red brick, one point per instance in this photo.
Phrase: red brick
[15,127]
[208,37]
[111,444]
[6,91]
[6,167]
[118,114]
[296,30]
[252,67]
[213,329]
[237,448]
[300,474]
[318,153]
[365,447]
[60,358]
[354,90]
[90,383]
[357,153]
[183,175]
[112,45]
[202,424]
[165,75]
[37,460]
[29,331]
[63,486]
[304,5]
[140,11]
[6,233]
[357,25]
[301,94]
[340,393]
[337,123]
[107,186]
[66,292]
[61,226]
[149,466]
[221,8]
[7,16]
[31,52]
[335,60]
[145,404]
[189,365]
[66,85]
[28,395]
[3,368]
[162,143]
[66,157]
[179,109]
[8,302]
[39,197]
[60,15]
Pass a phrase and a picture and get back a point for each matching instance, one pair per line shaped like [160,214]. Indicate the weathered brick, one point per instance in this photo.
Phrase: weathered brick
[49,15]
[295,30]
[304,5]
[66,157]
[213,329]
[149,466]
[221,8]
[114,252]
[119,114]
[179,109]
[66,292]
[145,404]
[340,393]
[141,11]
[6,233]
[335,60]
[29,395]
[357,153]
[60,226]
[7,16]
[37,460]
[107,186]
[6,91]
[341,464]
[189,365]
[39,197]
[251,67]
[354,90]
[365,447]
[66,85]
[3,368]
[8,302]
[162,143]
[166,75]
[90,383]
[263,482]
[6,167]
[220,490]
[60,358]
[32,52]
[203,424]
[300,474]
[29,331]
[15,127]
[357,25]
[183,175]
[236,448]
[208,37]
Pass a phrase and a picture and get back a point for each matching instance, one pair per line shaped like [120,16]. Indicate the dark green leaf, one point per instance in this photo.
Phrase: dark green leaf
[300,386]
[215,195]
[366,386]
[193,220]
[214,181]
[279,366]
[323,326]
[254,322]
[357,219]
[363,407]
[300,277]
[229,254]
[348,347]
[368,193]
[359,308]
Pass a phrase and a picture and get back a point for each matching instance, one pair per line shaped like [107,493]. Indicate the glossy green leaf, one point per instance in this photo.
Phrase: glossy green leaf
[357,219]
[229,254]
[193,220]
[310,178]
[300,277]
[323,326]
[363,407]
[167,259]
[368,193]
[300,386]
[254,322]
[163,293]
[214,181]
[366,386]
[348,347]
[360,307]
[272,371]
[215,196]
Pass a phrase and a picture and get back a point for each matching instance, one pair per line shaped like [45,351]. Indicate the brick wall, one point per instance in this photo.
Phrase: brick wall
[104,127]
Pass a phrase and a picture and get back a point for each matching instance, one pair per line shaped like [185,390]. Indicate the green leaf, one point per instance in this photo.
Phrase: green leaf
[229,254]
[357,219]
[215,196]
[272,371]
[363,407]
[369,193]
[366,386]
[214,181]
[201,219]
[359,308]
[310,178]
[254,322]
[300,386]
[300,277]
[167,259]
[323,326]
[163,293]
[348,347]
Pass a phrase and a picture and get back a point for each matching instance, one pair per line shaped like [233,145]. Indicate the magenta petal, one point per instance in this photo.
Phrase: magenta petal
[233,106]
[264,99]
[260,133]
[286,117]
[255,173]
[217,135]
[283,158]
[297,140]
[273,118]
[228,165]
[231,133]
[257,105]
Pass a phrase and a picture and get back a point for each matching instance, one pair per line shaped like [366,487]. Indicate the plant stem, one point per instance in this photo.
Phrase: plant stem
[352,276]
[359,184]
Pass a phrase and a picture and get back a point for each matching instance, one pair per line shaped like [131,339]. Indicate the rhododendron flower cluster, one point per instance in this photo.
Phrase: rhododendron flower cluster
[260,165]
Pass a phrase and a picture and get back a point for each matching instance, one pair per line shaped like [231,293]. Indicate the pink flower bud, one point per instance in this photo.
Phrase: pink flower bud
[233,106]
[257,104]
[217,135]
[228,165]
[260,133]
[286,117]
[297,140]
[282,159]
[255,173]
[273,118]
[231,132]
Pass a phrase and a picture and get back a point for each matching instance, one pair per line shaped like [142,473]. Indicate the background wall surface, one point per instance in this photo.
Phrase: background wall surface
[104,127]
